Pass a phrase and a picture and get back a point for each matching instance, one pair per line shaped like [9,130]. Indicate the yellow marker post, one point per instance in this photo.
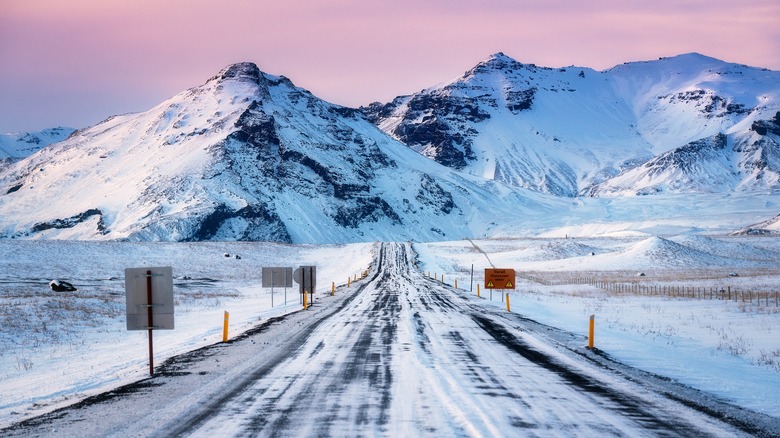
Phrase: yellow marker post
[332,288]
[507,303]
[355,277]
[591,331]
[349,282]
[305,303]
[456,283]
[477,290]
[435,276]
[225,327]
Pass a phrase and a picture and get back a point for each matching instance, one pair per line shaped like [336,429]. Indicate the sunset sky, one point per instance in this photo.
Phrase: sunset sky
[74,63]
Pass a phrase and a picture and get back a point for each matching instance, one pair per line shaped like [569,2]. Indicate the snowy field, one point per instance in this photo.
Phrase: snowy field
[59,347]
[730,348]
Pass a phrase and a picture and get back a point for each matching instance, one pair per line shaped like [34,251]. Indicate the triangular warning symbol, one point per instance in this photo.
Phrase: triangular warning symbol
[490,283]
[509,285]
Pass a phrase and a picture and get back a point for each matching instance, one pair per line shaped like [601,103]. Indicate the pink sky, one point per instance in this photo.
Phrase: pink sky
[77,62]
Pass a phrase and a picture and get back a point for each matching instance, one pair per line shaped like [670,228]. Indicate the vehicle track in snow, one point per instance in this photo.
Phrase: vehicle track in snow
[402,355]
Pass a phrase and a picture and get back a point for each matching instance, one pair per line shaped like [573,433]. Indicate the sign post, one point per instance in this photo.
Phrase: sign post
[149,301]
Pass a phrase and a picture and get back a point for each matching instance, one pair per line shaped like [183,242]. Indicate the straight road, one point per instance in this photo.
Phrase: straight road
[402,355]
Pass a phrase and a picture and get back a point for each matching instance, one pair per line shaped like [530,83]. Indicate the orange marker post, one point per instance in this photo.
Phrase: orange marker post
[225,327]
[591,331]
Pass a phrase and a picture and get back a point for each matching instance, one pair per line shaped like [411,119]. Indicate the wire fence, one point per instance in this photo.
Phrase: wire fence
[645,288]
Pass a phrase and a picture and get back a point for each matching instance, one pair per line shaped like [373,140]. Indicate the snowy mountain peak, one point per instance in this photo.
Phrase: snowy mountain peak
[242,71]
[568,131]
[498,61]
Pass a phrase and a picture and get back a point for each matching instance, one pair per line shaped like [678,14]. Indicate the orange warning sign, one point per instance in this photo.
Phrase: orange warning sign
[499,278]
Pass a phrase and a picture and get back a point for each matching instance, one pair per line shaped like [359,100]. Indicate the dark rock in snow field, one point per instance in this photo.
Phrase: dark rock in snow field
[61,286]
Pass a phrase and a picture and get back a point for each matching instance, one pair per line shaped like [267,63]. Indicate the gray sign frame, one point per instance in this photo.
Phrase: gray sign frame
[277,277]
[162,298]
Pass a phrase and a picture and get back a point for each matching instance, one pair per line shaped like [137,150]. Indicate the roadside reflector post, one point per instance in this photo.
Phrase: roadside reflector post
[456,283]
[349,282]
[305,302]
[478,291]
[429,274]
[442,278]
[355,277]
[591,331]
[507,302]
[471,284]
[225,327]
[332,288]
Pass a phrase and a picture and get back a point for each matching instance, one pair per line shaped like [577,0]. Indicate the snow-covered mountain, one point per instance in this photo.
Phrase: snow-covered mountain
[500,151]
[20,145]
[686,123]
[246,156]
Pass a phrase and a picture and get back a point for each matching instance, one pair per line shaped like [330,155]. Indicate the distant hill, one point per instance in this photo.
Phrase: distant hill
[21,145]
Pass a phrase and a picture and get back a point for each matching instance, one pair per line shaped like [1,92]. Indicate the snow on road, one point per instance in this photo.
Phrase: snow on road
[400,355]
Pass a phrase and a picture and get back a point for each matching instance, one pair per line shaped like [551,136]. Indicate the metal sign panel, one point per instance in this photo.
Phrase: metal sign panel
[162,298]
[306,276]
[499,278]
[277,277]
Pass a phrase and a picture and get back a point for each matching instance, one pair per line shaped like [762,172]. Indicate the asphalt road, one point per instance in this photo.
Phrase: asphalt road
[399,354]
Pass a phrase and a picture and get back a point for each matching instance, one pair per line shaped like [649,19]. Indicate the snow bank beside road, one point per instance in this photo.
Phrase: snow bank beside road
[56,348]
[728,348]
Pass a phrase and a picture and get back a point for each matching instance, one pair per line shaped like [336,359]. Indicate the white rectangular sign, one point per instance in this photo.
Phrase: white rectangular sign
[136,286]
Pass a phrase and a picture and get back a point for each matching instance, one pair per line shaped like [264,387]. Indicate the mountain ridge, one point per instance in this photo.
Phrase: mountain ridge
[504,148]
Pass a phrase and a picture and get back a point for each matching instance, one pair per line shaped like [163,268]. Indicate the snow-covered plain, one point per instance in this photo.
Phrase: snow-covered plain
[59,347]
[727,348]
